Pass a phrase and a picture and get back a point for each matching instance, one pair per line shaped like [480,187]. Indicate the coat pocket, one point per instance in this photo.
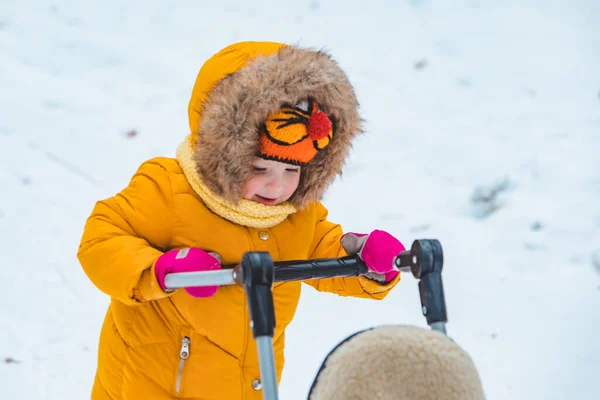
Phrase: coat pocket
[202,370]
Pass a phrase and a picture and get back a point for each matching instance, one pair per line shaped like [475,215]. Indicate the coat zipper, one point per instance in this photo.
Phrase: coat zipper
[184,353]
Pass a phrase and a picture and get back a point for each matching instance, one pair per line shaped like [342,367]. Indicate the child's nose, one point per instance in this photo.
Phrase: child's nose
[274,185]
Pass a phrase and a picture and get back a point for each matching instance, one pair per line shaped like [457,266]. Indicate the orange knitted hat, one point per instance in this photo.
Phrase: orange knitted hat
[295,134]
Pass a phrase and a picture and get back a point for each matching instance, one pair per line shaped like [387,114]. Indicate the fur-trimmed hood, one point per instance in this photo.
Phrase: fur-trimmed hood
[240,86]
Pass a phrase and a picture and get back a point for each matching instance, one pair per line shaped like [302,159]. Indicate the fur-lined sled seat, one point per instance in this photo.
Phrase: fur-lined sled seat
[400,363]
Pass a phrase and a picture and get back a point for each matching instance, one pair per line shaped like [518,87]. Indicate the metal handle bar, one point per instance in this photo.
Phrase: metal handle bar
[284,271]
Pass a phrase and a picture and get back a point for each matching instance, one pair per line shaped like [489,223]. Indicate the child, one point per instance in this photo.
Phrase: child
[271,126]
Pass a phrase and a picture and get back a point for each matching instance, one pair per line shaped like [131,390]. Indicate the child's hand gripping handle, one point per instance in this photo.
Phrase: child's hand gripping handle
[187,260]
[378,250]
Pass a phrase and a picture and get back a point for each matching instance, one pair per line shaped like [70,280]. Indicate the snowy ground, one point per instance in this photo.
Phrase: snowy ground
[460,97]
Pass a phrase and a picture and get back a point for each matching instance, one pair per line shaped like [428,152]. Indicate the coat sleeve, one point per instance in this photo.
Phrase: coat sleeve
[326,244]
[125,234]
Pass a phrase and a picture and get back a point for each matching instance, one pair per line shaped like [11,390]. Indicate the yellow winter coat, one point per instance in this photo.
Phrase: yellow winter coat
[145,328]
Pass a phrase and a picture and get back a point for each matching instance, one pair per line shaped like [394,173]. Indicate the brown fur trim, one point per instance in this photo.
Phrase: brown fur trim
[238,105]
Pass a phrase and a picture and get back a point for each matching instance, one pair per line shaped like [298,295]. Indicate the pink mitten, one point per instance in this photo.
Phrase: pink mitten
[377,249]
[187,260]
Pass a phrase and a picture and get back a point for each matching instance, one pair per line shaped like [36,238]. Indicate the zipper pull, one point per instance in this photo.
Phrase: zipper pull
[184,353]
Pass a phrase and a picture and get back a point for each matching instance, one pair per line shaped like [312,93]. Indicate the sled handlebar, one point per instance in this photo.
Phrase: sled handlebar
[284,271]
[424,260]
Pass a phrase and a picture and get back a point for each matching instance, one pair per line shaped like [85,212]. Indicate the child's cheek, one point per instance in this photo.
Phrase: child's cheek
[252,187]
[291,186]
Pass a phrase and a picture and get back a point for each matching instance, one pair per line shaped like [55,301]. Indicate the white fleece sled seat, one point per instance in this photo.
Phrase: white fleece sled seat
[397,362]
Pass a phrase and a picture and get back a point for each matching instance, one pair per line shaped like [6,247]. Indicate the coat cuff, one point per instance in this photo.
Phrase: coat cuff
[148,287]
[373,287]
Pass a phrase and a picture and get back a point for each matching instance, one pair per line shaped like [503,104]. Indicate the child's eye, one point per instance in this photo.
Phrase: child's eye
[293,169]
[259,169]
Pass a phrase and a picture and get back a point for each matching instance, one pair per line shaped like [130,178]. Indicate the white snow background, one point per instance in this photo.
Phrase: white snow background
[483,122]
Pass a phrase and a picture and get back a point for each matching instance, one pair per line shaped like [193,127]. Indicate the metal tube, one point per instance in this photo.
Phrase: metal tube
[406,270]
[201,278]
[440,327]
[266,359]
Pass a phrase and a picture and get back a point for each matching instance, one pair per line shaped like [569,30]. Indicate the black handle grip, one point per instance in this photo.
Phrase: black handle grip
[256,274]
[430,262]
[319,268]
[433,301]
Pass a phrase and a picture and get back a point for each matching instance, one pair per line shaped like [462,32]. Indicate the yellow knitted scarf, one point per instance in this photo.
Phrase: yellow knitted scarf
[247,213]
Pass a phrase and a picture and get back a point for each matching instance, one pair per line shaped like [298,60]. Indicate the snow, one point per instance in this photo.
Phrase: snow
[463,100]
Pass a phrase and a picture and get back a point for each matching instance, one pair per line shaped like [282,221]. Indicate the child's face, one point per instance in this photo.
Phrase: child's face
[271,182]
